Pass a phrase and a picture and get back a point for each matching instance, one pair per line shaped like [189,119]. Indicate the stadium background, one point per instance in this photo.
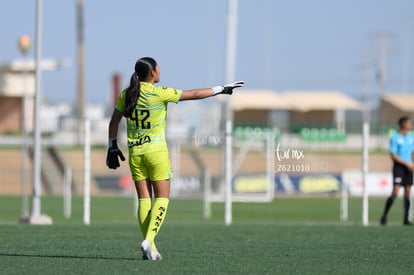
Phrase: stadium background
[313,75]
[319,114]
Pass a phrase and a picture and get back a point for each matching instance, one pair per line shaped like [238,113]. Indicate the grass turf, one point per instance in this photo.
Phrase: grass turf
[300,236]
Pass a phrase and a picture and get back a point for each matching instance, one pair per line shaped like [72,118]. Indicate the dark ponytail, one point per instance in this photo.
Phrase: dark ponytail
[132,95]
[143,67]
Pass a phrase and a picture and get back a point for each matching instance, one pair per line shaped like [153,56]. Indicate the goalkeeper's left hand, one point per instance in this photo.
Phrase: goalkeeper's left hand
[227,89]
[112,160]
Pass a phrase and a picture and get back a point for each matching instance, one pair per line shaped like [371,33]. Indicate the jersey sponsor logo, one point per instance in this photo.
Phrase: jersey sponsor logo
[140,141]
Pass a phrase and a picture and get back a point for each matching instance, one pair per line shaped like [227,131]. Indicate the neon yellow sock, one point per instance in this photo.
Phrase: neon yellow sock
[144,210]
[157,217]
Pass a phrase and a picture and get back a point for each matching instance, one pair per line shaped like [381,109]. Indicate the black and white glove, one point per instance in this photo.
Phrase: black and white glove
[112,160]
[227,89]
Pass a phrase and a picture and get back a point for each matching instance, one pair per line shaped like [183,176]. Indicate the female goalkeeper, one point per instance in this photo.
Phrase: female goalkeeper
[145,108]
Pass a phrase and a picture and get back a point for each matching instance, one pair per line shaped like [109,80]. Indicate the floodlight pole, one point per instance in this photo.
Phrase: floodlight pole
[228,114]
[36,202]
[80,69]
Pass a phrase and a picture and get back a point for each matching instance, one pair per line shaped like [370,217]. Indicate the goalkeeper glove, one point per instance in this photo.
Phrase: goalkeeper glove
[113,153]
[227,89]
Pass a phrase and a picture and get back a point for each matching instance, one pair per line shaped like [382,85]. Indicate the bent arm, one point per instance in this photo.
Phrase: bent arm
[397,159]
[114,123]
[196,94]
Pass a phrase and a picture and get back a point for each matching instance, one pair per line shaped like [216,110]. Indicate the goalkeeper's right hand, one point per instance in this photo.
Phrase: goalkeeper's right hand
[227,89]
[113,153]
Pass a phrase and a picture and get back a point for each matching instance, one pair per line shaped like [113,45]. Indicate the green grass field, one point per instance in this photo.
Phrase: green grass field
[287,236]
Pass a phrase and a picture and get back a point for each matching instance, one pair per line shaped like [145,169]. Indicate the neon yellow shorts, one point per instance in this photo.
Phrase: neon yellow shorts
[154,166]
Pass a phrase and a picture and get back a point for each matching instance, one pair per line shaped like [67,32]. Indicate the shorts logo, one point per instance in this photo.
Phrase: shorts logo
[398,180]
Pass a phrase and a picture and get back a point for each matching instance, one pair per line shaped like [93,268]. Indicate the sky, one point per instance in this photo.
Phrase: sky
[281,44]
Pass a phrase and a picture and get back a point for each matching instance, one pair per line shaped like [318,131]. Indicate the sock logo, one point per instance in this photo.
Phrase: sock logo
[158,219]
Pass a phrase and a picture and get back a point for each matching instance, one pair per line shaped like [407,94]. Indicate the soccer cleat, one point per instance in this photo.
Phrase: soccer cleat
[408,223]
[156,256]
[146,250]
[148,254]
[383,220]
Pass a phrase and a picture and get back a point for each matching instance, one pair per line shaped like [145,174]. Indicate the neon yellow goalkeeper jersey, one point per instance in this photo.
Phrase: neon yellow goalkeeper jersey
[146,127]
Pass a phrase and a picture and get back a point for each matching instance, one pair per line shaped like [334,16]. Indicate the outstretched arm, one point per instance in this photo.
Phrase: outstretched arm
[196,94]
[207,92]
